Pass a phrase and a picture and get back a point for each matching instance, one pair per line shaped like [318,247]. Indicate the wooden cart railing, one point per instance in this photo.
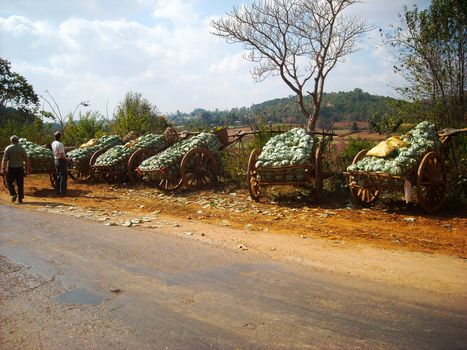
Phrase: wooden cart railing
[429,177]
[311,172]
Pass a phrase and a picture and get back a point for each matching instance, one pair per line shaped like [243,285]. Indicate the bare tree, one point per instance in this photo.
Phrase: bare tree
[299,40]
[56,114]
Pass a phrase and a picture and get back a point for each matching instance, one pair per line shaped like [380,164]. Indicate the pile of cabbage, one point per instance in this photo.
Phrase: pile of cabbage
[421,139]
[173,155]
[293,147]
[41,158]
[85,151]
[118,156]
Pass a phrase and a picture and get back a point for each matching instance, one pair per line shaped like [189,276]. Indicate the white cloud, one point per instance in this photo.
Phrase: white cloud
[179,12]
[384,12]
[97,51]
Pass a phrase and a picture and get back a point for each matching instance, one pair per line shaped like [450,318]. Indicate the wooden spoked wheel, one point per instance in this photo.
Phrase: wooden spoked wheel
[198,168]
[252,176]
[135,160]
[170,179]
[92,161]
[78,175]
[363,191]
[431,182]
[318,174]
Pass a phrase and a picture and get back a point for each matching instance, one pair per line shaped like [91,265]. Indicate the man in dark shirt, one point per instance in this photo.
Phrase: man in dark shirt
[13,162]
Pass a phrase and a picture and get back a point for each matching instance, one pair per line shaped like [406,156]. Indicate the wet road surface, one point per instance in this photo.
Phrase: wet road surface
[164,292]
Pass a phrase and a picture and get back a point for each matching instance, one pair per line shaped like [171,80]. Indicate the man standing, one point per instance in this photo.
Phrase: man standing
[61,164]
[13,162]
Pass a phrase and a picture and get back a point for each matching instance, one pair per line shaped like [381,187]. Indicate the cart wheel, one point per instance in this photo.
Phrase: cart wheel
[77,175]
[198,168]
[135,160]
[92,161]
[171,179]
[431,182]
[318,174]
[53,179]
[364,193]
[252,176]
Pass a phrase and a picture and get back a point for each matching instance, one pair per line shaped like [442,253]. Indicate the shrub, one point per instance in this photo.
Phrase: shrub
[456,192]
[338,158]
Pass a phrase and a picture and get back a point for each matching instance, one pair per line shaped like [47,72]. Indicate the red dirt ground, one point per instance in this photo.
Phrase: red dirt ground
[334,219]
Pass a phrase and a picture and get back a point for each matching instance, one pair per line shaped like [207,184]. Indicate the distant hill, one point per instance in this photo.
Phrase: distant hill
[355,105]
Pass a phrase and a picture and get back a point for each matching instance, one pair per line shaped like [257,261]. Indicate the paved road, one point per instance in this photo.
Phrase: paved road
[179,293]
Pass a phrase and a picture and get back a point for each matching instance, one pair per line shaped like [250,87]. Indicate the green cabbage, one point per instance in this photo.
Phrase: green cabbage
[41,158]
[173,155]
[119,155]
[421,139]
[293,147]
[83,153]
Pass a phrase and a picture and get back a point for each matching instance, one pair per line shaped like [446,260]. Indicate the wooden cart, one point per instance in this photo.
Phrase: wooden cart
[80,170]
[38,167]
[127,169]
[428,176]
[198,168]
[294,175]
[122,171]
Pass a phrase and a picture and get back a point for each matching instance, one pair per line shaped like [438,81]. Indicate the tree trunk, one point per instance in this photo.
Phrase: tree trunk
[313,116]
[312,119]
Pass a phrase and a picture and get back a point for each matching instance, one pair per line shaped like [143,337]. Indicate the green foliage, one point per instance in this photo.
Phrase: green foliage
[135,113]
[36,131]
[18,103]
[15,91]
[385,124]
[351,149]
[338,158]
[89,125]
[263,136]
[456,163]
[431,53]
[16,116]
[234,161]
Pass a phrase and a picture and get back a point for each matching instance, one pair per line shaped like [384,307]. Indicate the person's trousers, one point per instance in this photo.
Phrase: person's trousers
[15,175]
[61,168]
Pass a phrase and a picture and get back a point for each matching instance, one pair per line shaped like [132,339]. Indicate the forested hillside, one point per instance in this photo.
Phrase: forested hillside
[355,105]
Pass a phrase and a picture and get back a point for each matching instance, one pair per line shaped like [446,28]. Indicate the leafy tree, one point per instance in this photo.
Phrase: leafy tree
[15,91]
[16,116]
[135,113]
[384,124]
[299,40]
[36,131]
[431,48]
[86,127]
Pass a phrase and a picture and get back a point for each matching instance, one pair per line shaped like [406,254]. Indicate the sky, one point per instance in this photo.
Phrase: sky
[98,50]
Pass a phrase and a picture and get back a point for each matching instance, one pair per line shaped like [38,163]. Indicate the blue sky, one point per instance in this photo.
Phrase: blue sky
[97,50]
